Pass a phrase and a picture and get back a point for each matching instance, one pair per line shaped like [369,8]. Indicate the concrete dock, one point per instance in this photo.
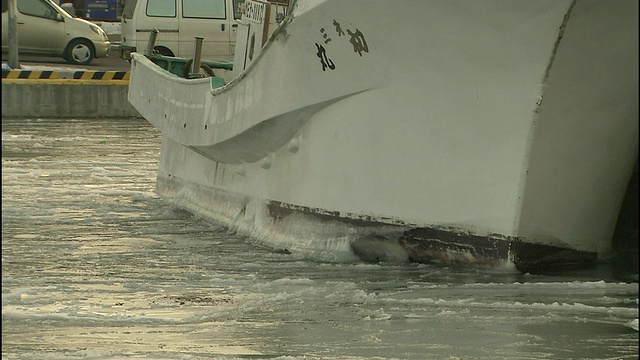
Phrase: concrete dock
[58,91]
[70,94]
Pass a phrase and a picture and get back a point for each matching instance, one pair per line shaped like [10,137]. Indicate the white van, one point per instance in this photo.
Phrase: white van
[44,28]
[180,21]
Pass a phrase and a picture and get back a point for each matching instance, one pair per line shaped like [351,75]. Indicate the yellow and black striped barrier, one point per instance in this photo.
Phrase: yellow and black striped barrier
[101,75]
[30,74]
[66,77]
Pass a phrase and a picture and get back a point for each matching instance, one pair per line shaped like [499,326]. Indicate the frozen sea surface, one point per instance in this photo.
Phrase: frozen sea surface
[96,266]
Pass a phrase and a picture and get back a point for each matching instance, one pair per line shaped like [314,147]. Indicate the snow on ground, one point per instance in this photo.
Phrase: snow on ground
[65,72]
[111,28]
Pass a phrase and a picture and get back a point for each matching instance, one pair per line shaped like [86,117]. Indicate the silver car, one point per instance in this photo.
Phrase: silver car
[44,28]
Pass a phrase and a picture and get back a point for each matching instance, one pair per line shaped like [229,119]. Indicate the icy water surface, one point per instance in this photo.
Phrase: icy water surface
[96,266]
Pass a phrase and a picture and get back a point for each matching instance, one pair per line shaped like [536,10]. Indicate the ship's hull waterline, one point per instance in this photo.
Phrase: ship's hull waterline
[449,131]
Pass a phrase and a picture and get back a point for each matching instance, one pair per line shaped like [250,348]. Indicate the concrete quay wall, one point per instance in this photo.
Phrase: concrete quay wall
[96,95]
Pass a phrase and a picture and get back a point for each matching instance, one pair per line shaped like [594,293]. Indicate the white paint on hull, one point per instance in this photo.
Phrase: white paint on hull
[461,113]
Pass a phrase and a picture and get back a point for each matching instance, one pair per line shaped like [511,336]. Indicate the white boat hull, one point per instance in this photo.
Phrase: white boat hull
[459,130]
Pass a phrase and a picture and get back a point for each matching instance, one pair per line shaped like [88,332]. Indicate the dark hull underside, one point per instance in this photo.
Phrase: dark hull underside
[449,246]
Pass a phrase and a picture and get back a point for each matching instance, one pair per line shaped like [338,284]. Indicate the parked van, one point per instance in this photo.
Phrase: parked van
[179,22]
[44,28]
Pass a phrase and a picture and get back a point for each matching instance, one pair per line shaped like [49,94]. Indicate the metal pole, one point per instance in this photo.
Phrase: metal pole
[152,41]
[197,55]
[13,62]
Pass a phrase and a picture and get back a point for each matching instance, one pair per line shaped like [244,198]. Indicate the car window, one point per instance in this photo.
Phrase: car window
[208,9]
[5,5]
[37,8]
[161,8]
[237,14]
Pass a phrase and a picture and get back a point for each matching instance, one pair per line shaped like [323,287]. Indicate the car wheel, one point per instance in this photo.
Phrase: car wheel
[80,52]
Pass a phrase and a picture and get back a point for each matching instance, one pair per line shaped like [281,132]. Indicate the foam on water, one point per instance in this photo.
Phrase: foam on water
[302,234]
[95,265]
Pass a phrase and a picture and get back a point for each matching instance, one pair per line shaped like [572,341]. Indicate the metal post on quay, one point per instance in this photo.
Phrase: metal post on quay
[197,55]
[152,41]
[13,62]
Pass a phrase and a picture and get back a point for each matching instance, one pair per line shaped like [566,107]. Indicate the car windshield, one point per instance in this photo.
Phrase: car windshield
[60,10]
